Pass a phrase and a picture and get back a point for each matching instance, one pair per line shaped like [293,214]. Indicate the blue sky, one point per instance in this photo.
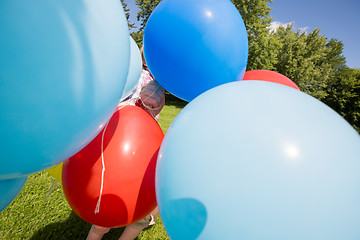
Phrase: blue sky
[338,19]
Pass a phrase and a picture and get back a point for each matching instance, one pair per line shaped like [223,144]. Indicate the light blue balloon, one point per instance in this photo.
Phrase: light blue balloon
[63,67]
[258,160]
[134,69]
[9,189]
[192,46]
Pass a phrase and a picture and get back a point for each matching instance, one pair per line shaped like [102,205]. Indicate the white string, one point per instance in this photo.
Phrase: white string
[97,209]
[54,185]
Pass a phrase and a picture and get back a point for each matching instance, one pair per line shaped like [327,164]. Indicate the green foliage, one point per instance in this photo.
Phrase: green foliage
[146,8]
[138,37]
[344,94]
[318,67]
[334,54]
[127,14]
[302,58]
[262,45]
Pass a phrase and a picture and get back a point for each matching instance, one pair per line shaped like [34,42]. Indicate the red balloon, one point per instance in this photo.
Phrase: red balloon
[269,76]
[130,143]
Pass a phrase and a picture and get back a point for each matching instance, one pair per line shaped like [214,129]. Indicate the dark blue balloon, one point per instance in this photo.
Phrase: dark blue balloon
[258,160]
[63,67]
[192,46]
[9,189]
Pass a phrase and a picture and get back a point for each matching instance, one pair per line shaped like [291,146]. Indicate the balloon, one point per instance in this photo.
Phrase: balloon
[131,143]
[55,171]
[269,76]
[134,69]
[192,46]
[63,67]
[264,161]
[9,189]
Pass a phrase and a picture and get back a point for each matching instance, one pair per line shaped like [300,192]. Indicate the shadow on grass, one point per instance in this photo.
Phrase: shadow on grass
[73,228]
[171,100]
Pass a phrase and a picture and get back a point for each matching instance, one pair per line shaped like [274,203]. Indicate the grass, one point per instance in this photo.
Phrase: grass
[171,109]
[41,211]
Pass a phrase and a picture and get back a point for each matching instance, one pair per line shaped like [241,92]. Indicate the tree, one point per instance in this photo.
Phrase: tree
[127,14]
[344,94]
[146,8]
[334,56]
[303,58]
[138,37]
[343,91]
[262,45]
[318,67]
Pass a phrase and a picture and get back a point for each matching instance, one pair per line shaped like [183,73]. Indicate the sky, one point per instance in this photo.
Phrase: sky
[338,19]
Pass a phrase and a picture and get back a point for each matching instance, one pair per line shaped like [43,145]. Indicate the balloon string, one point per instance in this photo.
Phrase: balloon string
[54,185]
[97,209]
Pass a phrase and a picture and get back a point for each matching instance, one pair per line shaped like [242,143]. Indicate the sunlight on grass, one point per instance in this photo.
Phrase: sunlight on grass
[171,109]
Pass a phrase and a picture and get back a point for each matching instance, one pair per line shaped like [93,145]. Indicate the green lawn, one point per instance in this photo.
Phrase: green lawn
[40,211]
